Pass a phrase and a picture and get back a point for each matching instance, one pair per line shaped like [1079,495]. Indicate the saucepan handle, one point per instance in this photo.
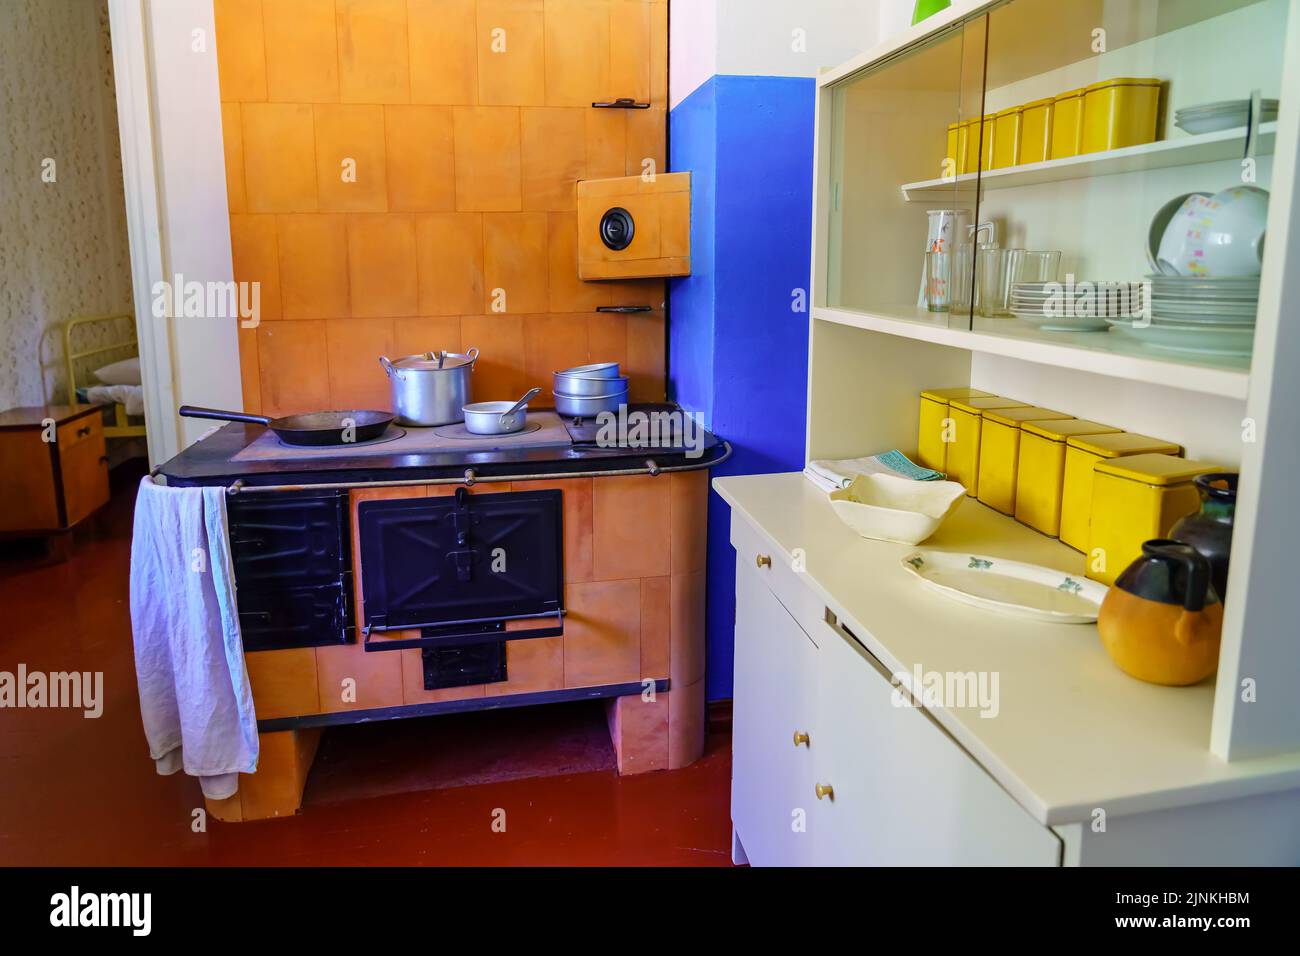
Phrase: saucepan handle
[196,411]
[388,366]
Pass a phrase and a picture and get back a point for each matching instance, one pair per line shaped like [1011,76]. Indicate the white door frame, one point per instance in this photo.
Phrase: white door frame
[178,219]
[132,60]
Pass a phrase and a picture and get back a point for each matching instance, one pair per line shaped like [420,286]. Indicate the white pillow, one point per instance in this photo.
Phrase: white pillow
[125,372]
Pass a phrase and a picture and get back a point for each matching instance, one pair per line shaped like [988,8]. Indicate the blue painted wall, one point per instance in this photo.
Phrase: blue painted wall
[737,349]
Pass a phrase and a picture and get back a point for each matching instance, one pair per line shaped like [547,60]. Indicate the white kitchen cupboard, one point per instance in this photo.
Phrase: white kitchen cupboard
[1113,770]
[1082,765]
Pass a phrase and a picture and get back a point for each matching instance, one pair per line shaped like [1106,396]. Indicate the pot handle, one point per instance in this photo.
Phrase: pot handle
[1193,562]
[388,366]
[523,402]
[472,355]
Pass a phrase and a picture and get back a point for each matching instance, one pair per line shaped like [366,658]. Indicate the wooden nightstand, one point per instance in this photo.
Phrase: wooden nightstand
[48,487]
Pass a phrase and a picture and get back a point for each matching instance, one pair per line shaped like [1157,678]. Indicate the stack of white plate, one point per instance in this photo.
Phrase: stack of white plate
[1227,114]
[1079,307]
[1198,316]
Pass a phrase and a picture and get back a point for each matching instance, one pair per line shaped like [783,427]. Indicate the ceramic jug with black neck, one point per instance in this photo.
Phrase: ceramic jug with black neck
[1162,620]
[1209,530]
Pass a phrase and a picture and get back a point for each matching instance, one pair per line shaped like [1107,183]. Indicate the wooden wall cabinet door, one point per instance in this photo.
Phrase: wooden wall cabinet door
[656,243]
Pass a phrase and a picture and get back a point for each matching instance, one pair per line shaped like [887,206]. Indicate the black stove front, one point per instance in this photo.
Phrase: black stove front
[457,568]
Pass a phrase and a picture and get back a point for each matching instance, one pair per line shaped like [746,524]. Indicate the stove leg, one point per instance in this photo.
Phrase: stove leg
[276,789]
[638,728]
[662,733]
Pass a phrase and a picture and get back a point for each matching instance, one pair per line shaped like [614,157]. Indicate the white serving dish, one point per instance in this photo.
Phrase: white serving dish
[893,508]
[1010,587]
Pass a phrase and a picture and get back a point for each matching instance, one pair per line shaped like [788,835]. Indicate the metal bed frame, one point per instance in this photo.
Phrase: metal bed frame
[121,427]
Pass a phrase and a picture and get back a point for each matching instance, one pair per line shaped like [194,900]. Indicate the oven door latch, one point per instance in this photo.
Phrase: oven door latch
[464,563]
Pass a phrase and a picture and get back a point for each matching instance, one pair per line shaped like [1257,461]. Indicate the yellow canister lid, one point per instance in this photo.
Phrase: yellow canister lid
[1035,104]
[1029,413]
[1009,110]
[1122,81]
[1124,443]
[977,406]
[1160,470]
[947,394]
[1069,94]
[1059,431]
[954,126]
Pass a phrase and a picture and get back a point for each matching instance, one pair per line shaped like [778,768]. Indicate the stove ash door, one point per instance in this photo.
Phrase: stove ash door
[458,567]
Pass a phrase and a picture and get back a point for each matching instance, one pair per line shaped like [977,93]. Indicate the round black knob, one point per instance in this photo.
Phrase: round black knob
[617,228]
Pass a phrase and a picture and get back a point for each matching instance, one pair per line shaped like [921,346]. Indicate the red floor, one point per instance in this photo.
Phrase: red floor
[76,791]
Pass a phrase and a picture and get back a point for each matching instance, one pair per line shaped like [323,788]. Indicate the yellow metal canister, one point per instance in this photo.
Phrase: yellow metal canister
[1082,452]
[1120,112]
[931,449]
[963,461]
[972,154]
[1036,130]
[1067,124]
[1134,499]
[956,151]
[1040,477]
[988,136]
[1000,453]
[1006,137]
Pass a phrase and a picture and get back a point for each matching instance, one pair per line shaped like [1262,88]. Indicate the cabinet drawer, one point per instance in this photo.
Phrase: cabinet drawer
[904,791]
[83,467]
[84,429]
[777,571]
[27,482]
[775,698]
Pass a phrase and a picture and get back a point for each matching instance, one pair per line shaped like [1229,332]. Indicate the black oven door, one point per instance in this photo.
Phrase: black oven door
[458,567]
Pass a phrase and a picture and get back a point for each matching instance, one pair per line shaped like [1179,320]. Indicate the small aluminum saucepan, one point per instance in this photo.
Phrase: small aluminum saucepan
[498,418]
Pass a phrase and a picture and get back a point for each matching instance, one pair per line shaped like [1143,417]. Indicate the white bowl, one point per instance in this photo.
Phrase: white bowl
[1218,236]
[893,508]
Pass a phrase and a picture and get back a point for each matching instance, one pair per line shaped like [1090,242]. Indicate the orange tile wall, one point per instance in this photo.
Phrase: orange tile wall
[465,159]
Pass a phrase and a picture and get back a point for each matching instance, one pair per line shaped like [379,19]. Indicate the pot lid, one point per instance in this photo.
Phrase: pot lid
[429,361]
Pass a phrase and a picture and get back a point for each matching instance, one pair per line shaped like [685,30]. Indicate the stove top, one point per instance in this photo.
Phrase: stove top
[544,430]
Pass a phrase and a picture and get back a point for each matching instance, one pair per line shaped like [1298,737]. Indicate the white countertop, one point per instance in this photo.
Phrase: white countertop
[1073,732]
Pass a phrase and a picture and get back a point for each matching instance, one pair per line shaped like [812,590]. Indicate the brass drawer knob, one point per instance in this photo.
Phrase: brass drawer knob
[801,738]
[763,561]
[825,790]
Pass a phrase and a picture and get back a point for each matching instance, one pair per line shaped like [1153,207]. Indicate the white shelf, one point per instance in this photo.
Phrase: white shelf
[1096,352]
[1073,732]
[1182,150]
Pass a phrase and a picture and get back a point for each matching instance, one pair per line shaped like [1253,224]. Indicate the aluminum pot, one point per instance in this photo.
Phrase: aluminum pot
[582,386]
[431,388]
[588,406]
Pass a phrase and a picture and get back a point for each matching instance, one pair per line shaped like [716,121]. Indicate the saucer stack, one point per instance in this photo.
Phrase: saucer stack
[1054,307]
[1198,316]
[1228,114]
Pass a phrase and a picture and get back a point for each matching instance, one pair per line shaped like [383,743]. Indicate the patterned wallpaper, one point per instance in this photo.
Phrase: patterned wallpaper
[63,244]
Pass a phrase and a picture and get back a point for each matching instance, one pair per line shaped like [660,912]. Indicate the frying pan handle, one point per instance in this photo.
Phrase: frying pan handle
[195,411]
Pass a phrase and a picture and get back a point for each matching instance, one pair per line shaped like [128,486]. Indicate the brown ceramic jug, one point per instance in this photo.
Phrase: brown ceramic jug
[1162,620]
[1209,530]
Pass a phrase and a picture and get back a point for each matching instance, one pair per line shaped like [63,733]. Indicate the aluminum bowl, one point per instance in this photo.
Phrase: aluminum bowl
[588,406]
[586,386]
[594,370]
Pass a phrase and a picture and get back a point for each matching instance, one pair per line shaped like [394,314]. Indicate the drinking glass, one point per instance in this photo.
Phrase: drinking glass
[938,281]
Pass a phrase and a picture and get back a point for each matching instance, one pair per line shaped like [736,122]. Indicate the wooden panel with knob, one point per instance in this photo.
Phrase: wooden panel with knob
[634,227]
